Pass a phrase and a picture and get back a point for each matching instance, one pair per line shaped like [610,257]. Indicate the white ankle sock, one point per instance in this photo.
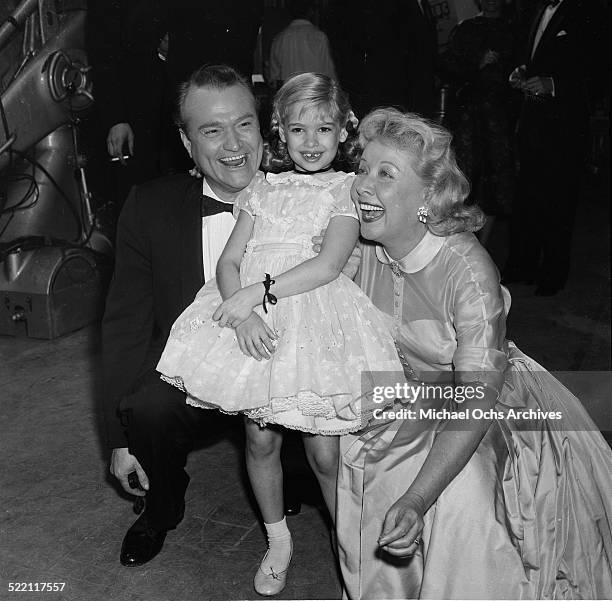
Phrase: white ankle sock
[279,548]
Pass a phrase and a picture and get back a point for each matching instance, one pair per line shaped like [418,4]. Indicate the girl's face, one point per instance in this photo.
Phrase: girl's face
[312,137]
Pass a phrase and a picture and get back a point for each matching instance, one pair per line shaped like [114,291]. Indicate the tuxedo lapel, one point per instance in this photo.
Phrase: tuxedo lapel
[192,270]
[535,22]
[554,25]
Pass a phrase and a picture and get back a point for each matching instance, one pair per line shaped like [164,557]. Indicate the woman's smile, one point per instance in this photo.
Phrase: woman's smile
[371,212]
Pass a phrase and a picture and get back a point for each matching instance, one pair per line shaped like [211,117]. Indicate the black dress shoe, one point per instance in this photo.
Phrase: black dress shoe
[141,543]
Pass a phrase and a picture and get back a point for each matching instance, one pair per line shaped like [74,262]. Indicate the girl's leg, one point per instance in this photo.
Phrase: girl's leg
[322,453]
[263,462]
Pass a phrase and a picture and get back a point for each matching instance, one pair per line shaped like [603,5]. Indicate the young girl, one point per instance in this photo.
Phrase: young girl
[326,336]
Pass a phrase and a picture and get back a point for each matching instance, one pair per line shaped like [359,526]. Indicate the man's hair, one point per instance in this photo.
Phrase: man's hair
[219,77]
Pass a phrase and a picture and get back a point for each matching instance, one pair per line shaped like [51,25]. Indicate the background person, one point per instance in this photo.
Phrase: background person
[561,55]
[477,61]
[389,56]
[132,118]
[301,47]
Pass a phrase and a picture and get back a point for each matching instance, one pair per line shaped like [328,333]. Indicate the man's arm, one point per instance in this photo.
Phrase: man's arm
[127,326]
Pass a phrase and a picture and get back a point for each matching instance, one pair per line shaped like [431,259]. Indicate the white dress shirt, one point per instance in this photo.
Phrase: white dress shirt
[216,230]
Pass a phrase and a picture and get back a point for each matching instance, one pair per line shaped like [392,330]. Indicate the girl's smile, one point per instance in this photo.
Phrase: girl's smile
[312,137]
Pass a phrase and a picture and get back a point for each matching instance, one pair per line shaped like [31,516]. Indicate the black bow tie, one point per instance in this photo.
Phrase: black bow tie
[210,206]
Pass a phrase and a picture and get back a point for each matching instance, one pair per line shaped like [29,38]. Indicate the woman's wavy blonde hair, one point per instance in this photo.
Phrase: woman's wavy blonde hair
[433,160]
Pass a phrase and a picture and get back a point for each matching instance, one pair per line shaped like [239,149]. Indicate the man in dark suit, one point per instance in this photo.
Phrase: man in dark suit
[560,50]
[160,265]
[129,78]
[170,234]
[134,89]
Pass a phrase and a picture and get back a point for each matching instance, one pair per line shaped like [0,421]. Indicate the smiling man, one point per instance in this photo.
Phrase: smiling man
[170,235]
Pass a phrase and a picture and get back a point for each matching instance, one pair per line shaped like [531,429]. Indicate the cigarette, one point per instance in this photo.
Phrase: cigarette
[115,159]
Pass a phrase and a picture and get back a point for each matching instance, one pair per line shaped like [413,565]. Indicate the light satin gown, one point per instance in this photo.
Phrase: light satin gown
[529,515]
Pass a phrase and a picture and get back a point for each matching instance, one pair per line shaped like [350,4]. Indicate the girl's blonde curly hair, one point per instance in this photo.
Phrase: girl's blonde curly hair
[319,92]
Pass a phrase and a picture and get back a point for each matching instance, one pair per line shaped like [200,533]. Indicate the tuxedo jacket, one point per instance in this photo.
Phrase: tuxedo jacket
[570,51]
[158,271]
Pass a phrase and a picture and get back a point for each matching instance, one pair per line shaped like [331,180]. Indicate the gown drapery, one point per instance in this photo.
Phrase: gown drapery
[529,515]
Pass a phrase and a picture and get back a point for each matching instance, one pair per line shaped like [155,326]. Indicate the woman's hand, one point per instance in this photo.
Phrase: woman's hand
[403,526]
[237,308]
[256,338]
[488,58]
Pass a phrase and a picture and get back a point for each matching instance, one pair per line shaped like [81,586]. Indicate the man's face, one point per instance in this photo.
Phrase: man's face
[222,137]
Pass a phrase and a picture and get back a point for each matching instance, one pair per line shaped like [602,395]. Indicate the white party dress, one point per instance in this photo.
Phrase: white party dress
[333,345]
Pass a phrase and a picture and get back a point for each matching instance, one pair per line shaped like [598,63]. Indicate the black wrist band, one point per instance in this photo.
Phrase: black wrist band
[268,296]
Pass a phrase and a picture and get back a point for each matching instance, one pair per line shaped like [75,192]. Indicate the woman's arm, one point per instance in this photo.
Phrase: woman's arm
[478,316]
[338,244]
[450,452]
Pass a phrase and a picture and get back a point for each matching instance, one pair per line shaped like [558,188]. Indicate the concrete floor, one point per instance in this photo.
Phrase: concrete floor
[63,519]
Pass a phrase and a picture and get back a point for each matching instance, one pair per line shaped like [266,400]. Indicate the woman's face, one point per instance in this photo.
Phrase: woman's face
[387,193]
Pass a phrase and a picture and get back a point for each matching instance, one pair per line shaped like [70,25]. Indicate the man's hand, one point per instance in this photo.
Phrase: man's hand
[122,464]
[539,86]
[403,526]
[517,77]
[352,265]
[118,136]
[255,338]
[237,308]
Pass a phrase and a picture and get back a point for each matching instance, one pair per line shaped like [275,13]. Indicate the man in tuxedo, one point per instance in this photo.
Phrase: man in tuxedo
[170,234]
[561,48]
